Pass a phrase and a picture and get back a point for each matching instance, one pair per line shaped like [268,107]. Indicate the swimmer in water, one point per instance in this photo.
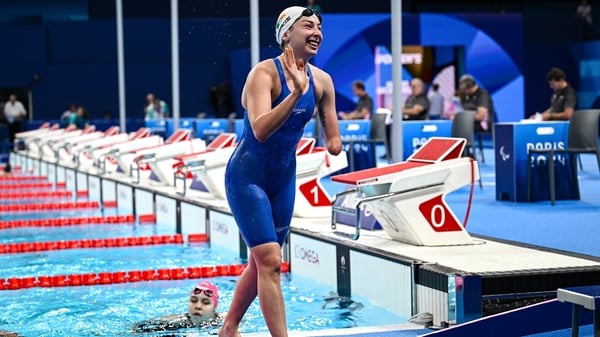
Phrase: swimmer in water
[345,307]
[4,333]
[202,312]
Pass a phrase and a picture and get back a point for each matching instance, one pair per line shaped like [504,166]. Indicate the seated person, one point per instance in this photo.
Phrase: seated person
[416,106]
[364,107]
[479,100]
[563,101]
[202,312]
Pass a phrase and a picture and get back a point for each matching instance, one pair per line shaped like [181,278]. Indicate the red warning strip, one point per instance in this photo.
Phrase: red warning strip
[88,279]
[201,237]
[27,247]
[48,206]
[147,218]
[21,178]
[109,203]
[59,222]
[25,186]
[37,195]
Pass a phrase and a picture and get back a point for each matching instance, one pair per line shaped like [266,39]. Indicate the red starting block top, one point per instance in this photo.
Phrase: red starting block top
[439,149]
[111,131]
[222,141]
[355,178]
[435,150]
[305,145]
[178,136]
[140,133]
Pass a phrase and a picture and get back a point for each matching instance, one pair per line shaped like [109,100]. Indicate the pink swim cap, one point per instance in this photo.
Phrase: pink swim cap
[209,289]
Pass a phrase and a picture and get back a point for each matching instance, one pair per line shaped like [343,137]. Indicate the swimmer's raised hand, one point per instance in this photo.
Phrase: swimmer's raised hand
[296,70]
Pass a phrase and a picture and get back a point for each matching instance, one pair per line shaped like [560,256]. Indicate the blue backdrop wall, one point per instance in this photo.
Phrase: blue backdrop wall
[76,61]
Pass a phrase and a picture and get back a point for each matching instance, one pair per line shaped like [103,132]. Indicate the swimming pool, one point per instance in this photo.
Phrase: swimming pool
[111,309]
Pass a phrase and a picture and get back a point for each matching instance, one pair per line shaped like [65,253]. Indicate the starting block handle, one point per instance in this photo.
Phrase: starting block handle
[182,174]
[181,177]
[135,167]
[146,158]
[356,211]
[103,158]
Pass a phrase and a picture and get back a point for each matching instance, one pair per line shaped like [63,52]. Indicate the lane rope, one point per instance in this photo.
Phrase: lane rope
[115,277]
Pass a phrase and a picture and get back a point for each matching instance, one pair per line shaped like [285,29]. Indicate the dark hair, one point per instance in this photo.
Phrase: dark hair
[467,80]
[359,84]
[435,86]
[555,74]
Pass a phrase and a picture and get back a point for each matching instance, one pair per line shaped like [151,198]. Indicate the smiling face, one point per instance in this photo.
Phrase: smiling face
[305,36]
[201,308]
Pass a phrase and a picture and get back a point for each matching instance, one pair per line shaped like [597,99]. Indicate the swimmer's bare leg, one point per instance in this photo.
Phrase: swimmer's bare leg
[268,265]
[245,292]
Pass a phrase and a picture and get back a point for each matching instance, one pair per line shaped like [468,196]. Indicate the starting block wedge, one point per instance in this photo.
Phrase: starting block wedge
[63,150]
[187,165]
[104,158]
[160,160]
[313,164]
[125,159]
[408,198]
[34,144]
[86,154]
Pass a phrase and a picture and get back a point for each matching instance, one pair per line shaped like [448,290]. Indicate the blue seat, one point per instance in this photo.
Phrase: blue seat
[5,143]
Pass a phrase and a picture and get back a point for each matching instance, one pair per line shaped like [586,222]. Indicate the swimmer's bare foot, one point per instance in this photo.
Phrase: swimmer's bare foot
[228,331]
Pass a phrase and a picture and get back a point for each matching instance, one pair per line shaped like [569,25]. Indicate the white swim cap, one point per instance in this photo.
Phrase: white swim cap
[287,18]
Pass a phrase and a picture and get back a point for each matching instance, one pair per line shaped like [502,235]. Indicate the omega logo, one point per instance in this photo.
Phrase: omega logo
[305,254]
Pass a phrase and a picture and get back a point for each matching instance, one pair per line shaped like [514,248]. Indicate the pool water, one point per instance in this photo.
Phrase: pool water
[111,310]
[96,260]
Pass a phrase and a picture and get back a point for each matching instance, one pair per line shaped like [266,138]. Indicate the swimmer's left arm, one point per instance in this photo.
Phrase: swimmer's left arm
[327,112]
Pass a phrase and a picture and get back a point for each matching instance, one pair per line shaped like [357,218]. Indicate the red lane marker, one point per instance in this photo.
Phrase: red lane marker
[28,247]
[109,203]
[71,280]
[37,194]
[59,222]
[48,206]
[21,178]
[29,186]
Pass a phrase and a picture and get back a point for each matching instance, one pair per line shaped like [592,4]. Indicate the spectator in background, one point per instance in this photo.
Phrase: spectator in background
[14,114]
[364,107]
[155,108]
[78,119]
[563,101]
[314,6]
[479,100]
[584,12]
[65,115]
[436,102]
[416,106]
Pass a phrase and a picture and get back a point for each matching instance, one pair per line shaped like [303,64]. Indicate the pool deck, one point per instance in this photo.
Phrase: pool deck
[422,275]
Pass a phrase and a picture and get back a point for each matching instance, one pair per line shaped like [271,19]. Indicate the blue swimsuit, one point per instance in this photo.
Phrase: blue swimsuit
[260,179]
